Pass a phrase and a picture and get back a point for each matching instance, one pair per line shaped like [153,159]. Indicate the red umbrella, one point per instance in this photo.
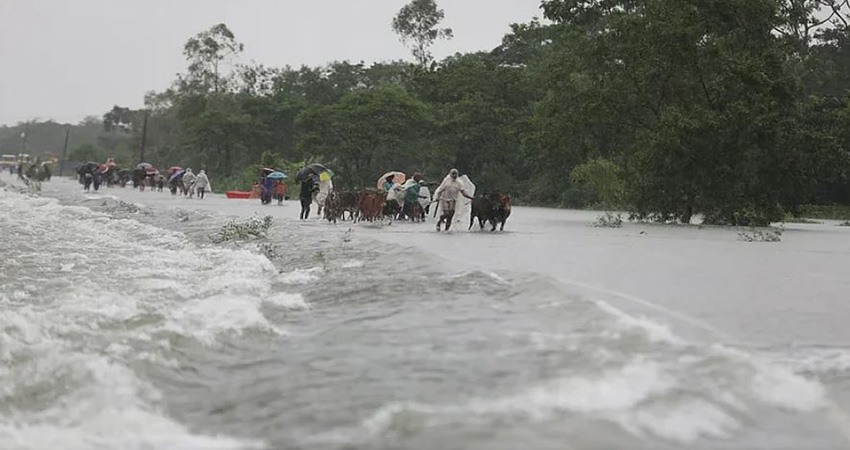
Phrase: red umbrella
[175,169]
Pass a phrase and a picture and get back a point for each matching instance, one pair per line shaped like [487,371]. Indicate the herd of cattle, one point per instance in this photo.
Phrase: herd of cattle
[371,206]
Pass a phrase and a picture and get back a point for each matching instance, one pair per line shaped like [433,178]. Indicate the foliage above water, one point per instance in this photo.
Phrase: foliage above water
[609,220]
[760,235]
[234,230]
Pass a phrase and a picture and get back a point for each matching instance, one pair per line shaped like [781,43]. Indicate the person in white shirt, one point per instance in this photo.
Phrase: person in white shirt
[447,194]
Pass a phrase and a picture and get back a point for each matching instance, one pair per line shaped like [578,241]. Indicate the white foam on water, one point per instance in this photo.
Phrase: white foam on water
[776,385]
[612,391]
[288,301]
[815,361]
[300,276]
[107,409]
[66,331]
[672,390]
[353,264]
[687,422]
[656,332]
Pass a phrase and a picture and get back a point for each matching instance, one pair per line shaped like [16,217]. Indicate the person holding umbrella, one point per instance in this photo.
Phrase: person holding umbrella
[277,187]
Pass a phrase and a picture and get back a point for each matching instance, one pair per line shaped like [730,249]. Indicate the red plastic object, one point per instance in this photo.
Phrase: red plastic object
[238,194]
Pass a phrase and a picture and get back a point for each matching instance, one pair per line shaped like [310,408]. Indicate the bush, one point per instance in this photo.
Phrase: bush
[756,235]
[235,231]
[603,178]
[609,220]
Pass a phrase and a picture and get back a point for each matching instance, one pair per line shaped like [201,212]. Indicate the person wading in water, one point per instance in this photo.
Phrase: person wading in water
[308,186]
[447,195]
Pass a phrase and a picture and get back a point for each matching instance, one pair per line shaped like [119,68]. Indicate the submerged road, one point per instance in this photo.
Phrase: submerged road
[698,279]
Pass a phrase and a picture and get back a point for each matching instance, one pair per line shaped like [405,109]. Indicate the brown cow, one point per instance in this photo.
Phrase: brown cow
[371,205]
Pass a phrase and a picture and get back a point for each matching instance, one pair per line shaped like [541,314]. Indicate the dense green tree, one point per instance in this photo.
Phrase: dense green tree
[87,152]
[366,133]
[696,101]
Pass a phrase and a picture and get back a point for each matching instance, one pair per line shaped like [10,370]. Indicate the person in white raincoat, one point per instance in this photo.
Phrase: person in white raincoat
[202,184]
[326,186]
[424,197]
[451,207]
[189,183]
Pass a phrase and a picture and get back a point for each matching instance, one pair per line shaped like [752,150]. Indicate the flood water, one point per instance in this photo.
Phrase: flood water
[123,326]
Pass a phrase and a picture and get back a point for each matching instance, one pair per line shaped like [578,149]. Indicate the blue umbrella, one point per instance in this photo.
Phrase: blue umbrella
[277,176]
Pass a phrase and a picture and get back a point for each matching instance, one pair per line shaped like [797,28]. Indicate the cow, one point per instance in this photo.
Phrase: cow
[348,202]
[485,209]
[371,205]
[493,208]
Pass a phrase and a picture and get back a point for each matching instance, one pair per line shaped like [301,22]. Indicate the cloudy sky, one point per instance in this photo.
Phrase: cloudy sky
[65,59]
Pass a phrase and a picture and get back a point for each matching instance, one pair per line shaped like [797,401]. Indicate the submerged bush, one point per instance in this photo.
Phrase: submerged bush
[268,250]
[756,235]
[609,220]
[240,231]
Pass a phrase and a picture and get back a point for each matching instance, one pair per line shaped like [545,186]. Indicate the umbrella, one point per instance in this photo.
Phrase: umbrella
[317,168]
[277,176]
[326,175]
[144,166]
[176,175]
[175,169]
[266,170]
[303,174]
[398,178]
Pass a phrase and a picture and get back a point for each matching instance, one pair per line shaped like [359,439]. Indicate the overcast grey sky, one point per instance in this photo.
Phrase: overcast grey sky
[65,59]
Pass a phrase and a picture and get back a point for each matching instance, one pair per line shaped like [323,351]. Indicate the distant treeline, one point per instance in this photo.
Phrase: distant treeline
[738,110]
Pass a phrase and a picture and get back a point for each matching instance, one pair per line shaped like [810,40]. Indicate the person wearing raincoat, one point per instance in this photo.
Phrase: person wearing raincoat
[389,183]
[202,183]
[424,198]
[326,186]
[189,183]
[267,190]
[411,195]
[447,194]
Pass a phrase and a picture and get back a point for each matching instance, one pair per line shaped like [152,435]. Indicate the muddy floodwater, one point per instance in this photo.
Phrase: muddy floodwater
[123,326]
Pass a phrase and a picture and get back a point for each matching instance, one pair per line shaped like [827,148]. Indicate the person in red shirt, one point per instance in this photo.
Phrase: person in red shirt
[280,192]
